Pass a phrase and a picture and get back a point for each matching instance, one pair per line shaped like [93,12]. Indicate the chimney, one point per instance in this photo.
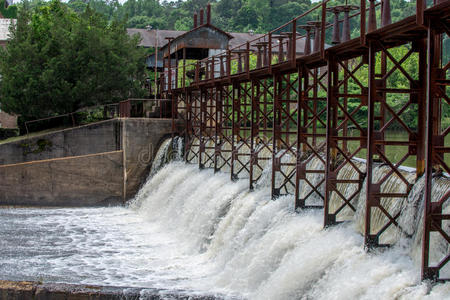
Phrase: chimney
[201,16]
[208,14]
[195,20]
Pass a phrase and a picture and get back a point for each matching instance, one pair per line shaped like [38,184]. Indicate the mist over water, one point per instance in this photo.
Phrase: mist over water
[193,230]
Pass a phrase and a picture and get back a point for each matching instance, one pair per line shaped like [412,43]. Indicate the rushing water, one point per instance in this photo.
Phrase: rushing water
[190,229]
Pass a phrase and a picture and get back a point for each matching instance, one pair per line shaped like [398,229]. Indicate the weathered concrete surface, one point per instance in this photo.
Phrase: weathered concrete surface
[141,139]
[80,183]
[90,180]
[89,139]
[15,290]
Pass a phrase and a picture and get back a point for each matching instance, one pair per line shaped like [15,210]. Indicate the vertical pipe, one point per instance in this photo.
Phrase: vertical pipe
[208,13]
[300,136]
[254,117]
[280,49]
[346,26]
[372,17]
[322,38]
[307,49]
[362,24]
[258,56]
[270,52]
[218,125]
[184,67]
[420,7]
[368,240]
[329,157]
[426,274]
[316,38]
[294,41]
[421,116]
[275,129]
[335,37]
[386,13]
[176,69]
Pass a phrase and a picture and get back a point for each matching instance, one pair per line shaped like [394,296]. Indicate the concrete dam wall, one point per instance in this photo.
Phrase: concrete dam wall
[99,164]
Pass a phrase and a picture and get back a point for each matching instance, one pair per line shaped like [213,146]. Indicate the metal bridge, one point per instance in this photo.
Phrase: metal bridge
[267,96]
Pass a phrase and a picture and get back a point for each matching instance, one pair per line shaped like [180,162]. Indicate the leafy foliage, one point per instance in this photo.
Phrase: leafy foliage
[58,61]
[10,12]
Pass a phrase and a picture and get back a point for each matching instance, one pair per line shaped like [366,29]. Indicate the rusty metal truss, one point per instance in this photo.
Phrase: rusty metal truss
[261,126]
[209,97]
[242,118]
[224,129]
[281,104]
[438,97]
[312,118]
[284,152]
[381,117]
[344,145]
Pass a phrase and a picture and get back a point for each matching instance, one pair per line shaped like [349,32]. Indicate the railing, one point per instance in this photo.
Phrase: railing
[145,108]
[130,108]
[306,35]
[76,118]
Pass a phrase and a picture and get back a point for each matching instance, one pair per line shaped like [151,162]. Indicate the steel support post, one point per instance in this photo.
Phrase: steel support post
[193,146]
[435,219]
[208,127]
[343,145]
[240,155]
[261,127]
[310,165]
[386,114]
[224,127]
[286,89]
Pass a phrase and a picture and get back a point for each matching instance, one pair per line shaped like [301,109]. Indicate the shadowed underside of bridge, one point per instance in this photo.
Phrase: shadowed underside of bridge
[262,102]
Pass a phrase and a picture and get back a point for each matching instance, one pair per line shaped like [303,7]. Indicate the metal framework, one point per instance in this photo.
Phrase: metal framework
[224,129]
[286,90]
[342,144]
[382,117]
[241,142]
[261,126]
[269,100]
[312,118]
[438,96]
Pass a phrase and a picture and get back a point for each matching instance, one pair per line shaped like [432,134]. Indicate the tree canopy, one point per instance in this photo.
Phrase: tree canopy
[58,61]
[10,12]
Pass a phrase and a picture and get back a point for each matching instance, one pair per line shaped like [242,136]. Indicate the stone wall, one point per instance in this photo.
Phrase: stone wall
[89,139]
[89,180]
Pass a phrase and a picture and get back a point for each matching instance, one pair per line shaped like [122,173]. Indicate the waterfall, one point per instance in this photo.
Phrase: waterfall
[243,244]
[170,149]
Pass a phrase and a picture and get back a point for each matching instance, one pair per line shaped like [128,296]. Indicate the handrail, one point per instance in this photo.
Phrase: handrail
[240,55]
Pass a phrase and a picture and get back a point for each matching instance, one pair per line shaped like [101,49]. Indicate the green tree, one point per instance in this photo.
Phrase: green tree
[10,12]
[58,61]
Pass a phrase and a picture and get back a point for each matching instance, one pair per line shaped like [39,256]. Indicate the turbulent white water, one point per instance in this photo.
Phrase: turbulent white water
[194,230]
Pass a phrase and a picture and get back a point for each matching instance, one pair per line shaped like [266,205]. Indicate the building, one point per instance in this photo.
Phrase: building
[6,120]
[203,41]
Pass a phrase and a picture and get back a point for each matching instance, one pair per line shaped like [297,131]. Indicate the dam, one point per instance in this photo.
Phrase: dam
[271,186]
[191,231]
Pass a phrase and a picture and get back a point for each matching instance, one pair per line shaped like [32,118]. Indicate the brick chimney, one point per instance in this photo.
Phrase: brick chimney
[195,20]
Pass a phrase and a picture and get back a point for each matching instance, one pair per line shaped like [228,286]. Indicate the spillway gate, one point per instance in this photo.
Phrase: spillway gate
[267,100]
